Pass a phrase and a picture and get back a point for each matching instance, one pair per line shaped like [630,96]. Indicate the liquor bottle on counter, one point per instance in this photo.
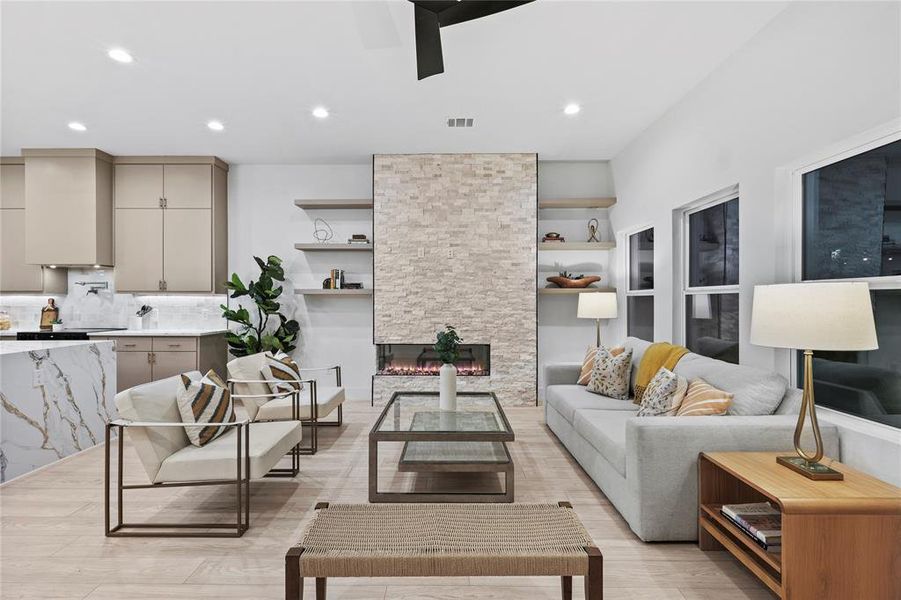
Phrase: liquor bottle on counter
[49,314]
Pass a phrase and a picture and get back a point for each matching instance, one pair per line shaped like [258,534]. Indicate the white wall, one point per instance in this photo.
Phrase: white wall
[561,336]
[263,220]
[817,74]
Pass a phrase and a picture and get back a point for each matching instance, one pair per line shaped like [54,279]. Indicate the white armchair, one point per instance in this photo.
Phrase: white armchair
[151,417]
[314,402]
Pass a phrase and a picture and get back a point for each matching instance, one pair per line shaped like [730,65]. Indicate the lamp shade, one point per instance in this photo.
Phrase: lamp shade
[814,316]
[597,305]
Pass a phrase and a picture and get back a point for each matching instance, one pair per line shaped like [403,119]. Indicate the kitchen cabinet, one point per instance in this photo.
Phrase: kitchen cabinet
[68,206]
[171,224]
[141,359]
[16,275]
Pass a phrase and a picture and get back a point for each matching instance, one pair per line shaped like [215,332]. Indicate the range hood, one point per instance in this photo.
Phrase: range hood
[68,207]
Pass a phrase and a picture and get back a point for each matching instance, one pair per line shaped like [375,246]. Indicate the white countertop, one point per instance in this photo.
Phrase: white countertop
[14,347]
[158,333]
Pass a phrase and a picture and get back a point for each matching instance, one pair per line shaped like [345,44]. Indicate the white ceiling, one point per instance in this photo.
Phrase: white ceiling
[261,67]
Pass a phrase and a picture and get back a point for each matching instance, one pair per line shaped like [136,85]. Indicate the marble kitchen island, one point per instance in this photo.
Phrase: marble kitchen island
[56,398]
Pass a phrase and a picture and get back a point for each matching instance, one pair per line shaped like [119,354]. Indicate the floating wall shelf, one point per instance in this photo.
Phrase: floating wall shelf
[330,203]
[573,246]
[326,292]
[572,291]
[316,247]
[576,202]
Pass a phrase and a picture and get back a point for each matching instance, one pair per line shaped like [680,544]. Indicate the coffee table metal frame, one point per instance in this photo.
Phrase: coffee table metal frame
[506,466]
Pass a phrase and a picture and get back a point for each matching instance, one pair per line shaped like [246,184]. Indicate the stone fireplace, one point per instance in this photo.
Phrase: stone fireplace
[455,242]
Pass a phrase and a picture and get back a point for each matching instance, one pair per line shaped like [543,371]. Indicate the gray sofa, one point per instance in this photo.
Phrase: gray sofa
[647,466]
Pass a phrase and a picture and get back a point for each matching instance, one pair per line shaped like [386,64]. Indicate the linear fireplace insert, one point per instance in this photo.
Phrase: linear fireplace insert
[421,359]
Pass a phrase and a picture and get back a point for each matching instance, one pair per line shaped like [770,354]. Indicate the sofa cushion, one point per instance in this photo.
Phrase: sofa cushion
[269,442]
[756,392]
[606,431]
[154,401]
[566,399]
[610,375]
[327,400]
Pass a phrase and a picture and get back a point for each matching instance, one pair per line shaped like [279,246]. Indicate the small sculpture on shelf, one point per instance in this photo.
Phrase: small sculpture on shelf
[568,280]
[553,236]
[322,230]
[593,231]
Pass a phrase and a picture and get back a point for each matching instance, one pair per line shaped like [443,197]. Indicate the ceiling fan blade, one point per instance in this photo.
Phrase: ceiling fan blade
[429,58]
[460,12]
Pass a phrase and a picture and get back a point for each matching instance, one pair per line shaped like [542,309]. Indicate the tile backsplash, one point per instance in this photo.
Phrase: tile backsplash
[105,308]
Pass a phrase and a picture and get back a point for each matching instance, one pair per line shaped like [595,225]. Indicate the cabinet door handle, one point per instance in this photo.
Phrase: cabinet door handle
[162,202]
[165,203]
[151,357]
[175,345]
[129,345]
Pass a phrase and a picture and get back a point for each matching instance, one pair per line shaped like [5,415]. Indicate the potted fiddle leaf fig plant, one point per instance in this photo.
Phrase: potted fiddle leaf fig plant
[268,329]
[447,345]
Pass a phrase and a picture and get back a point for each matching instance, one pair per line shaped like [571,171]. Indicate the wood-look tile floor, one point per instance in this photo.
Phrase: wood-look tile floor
[52,544]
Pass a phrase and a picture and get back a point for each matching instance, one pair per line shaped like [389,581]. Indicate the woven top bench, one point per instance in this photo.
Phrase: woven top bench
[444,540]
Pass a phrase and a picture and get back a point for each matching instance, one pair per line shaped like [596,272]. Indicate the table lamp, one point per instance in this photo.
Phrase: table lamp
[808,317]
[597,306]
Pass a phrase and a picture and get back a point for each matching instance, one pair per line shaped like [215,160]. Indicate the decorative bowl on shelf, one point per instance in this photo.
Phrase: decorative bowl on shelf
[581,282]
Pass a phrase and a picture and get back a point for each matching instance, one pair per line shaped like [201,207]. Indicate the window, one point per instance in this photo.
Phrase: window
[711,273]
[640,290]
[851,229]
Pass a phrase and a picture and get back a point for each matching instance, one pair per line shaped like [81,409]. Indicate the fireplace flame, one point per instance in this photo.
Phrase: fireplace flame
[431,369]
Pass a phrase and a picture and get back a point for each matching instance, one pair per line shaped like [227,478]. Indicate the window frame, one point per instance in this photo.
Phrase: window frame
[685,290]
[857,145]
[627,269]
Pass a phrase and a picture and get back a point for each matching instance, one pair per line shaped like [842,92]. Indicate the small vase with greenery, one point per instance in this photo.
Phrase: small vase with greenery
[259,333]
[447,346]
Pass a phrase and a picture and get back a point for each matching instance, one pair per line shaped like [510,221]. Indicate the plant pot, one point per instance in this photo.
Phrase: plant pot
[447,386]
[56,327]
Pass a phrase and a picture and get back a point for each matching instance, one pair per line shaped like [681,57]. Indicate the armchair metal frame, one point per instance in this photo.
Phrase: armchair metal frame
[241,483]
[313,421]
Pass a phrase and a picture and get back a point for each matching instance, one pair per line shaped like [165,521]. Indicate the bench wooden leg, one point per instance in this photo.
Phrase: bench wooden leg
[320,588]
[594,580]
[566,586]
[293,580]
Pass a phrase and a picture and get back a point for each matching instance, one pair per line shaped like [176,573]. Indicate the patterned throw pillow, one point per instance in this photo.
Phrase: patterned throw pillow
[703,399]
[281,367]
[657,397]
[204,401]
[611,374]
[588,362]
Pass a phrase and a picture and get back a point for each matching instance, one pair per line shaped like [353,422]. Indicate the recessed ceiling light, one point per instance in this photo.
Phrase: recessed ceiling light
[52,266]
[572,109]
[76,126]
[96,266]
[216,125]
[320,112]
[120,55]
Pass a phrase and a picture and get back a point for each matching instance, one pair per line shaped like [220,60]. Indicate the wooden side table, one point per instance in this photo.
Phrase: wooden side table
[840,539]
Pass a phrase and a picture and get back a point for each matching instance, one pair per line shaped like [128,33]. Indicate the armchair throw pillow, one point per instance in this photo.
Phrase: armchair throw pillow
[611,374]
[204,401]
[282,372]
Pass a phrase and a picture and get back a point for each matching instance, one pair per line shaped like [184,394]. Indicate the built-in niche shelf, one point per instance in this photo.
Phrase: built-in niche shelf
[576,202]
[575,246]
[328,292]
[552,291]
[317,247]
[331,203]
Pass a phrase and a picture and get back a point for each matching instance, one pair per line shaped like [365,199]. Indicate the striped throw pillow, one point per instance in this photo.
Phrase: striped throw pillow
[588,362]
[703,399]
[282,369]
[204,401]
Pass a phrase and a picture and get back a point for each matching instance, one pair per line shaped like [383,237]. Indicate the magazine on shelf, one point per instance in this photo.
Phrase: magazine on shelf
[760,520]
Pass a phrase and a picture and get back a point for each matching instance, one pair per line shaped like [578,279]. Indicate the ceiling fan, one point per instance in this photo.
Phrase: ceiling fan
[431,15]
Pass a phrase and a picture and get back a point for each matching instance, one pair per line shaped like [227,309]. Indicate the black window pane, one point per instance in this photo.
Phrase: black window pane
[852,216]
[711,325]
[641,260]
[713,245]
[866,384]
[640,312]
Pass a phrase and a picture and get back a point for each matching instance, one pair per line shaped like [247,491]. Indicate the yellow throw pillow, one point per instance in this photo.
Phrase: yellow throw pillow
[588,362]
[703,399]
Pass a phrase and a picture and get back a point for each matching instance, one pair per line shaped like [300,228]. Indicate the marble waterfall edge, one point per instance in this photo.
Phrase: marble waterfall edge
[56,399]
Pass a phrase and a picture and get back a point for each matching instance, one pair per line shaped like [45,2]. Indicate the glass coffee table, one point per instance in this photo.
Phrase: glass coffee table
[472,439]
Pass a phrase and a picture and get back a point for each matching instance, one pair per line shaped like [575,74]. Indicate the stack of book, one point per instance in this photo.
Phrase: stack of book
[358,238]
[761,521]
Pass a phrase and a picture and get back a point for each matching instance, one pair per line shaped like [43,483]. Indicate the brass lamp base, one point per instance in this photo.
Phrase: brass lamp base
[811,470]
